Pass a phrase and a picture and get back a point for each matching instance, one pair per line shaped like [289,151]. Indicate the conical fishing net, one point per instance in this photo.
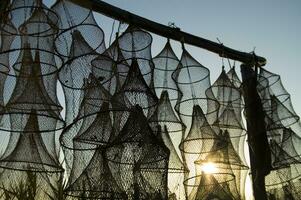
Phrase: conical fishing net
[139,159]
[111,67]
[213,186]
[96,181]
[193,80]
[229,120]
[82,120]
[284,138]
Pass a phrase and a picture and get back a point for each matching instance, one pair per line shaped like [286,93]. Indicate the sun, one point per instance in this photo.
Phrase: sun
[209,168]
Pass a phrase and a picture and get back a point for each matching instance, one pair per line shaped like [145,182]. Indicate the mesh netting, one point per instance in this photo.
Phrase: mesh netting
[226,89]
[192,80]
[96,181]
[213,186]
[29,185]
[80,40]
[135,91]
[60,85]
[30,152]
[92,122]
[283,127]
[234,77]
[111,67]
[139,159]
[136,43]
[199,140]
[31,112]
[276,100]
[166,62]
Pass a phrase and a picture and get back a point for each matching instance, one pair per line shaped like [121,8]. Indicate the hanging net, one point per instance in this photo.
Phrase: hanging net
[283,126]
[83,118]
[96,181]
[139,159]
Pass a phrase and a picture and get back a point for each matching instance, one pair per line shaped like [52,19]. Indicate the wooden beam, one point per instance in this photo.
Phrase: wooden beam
[169,32]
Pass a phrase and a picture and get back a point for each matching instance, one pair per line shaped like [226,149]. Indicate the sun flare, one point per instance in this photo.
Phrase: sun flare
[209,168]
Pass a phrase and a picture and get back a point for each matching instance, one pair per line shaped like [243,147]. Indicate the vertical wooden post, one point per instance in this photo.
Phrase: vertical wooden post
[260,156]
[3,15]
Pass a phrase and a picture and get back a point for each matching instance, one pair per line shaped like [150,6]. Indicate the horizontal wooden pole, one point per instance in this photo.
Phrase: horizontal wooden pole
[169,32]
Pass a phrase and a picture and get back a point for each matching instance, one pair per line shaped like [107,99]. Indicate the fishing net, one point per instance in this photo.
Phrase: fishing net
[28,85]
[30,152]
[275,99]
[139,159]
[111,67]
[79,41]
[135,91]
[135,45]
[193,80]
[79,139]
[232,75]
[96,181]
[283,131]
[29,166]
[130,126]
[229,120]
[165,121]
[199,140]
[213,186]
[166,62]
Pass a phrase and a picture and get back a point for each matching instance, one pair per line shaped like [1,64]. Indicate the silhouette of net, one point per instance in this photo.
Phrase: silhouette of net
[284,183]
[283,131]
[7,36]
[193,80]
[135,91]
[96,181]
[225,92]
[111,67]
[77,23]
[94,103]
[30,152]
[135,45]
[221,143]
[275,99]
[28,184]
[139,160]
[31,113]
[80,40]
[90,128]
[121,141]
[31,81]
[165,121]
[232,75]
[199,139]
[29,163]
[213,186]
[229,121]
[176,167]
[164,115]
[166,62]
